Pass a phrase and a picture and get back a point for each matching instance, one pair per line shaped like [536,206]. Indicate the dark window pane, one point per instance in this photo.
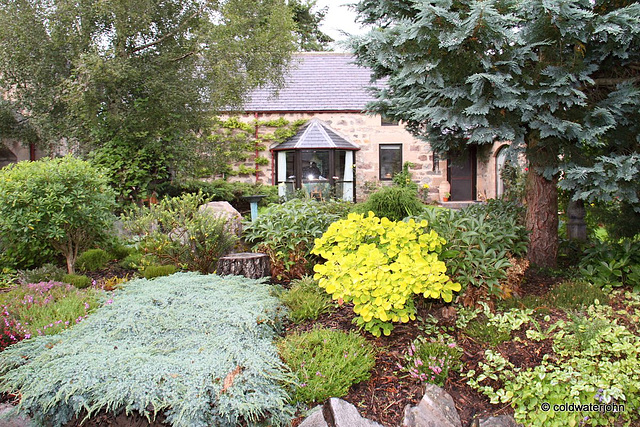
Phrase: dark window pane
[390,160]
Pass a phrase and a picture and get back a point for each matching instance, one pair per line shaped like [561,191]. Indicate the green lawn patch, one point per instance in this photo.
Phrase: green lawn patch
[197,348]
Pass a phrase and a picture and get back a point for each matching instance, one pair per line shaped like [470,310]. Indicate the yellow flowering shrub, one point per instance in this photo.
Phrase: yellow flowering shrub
[379,265]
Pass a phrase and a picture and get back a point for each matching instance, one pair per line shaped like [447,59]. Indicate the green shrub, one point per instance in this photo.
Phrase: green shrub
[46,273]
[479,241]
[93,259]
[120,252]
[153,271]
[379,265]
[132,262]
[220,190]
[196,348]
[431,361]
[64,202]
[326,362]
[305,300]
[77,280]
[392,202]
[286,233]
[177,232]
[43,308]
[611,264]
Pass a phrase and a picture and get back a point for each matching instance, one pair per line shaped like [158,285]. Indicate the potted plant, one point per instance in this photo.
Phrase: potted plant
[445,197]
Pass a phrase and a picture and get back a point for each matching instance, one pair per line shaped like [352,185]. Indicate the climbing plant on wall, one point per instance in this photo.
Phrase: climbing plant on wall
[233,147]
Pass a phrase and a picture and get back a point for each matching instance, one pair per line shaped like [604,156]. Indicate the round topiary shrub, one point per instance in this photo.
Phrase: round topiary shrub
[393,202]
[64,202]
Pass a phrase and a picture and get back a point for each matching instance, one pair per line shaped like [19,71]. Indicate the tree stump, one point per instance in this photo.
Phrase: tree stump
[247,264]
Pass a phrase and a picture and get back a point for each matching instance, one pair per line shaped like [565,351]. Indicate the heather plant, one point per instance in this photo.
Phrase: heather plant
[64,202]
[177,232]
[43,308]
[93,259]
[479,241]
[45,273]
[286,233]
[326,362]
[379,265]
[198,349]
[305,300]
[394,202]
[431,361]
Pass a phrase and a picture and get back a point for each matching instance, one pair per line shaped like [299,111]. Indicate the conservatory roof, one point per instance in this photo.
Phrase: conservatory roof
[315,135]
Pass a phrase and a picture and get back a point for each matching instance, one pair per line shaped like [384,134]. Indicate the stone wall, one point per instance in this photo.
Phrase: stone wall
[367,132]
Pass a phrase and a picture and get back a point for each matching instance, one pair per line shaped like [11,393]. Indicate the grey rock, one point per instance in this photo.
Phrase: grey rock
[436,409]
[337,413]
[8,418]
[499,421]
[226,211]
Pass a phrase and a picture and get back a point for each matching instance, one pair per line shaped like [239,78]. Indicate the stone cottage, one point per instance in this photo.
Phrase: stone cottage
[344,149]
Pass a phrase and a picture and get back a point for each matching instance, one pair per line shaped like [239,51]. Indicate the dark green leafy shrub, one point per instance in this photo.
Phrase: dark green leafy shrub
[326,362]
[46,273]
[197,348]
[395,203]
[479,241]
[132,262]
[93,259]
[305,300]
[77,280]
[220,190]
[612,264]
[177,232]
[153,271]
[120,252]
[286,232]
[65,203]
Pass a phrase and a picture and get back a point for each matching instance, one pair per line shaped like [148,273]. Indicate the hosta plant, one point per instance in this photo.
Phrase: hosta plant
[379,265]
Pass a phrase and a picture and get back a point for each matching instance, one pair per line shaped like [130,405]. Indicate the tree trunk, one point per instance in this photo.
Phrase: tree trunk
[542,218]
[247,264]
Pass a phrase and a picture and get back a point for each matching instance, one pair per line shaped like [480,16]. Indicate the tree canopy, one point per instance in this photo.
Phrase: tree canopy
[309,36]
[134,79]
[559,79]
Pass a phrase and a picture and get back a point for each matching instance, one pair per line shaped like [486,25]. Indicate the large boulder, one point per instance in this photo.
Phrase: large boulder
[436,409]
[226,211]
[337,413]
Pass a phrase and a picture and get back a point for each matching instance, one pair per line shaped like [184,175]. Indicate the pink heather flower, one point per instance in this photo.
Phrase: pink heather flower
[319,374]
[109,301]
[66,323]
[303,385]
[86,305]
[452,345]
[27,336]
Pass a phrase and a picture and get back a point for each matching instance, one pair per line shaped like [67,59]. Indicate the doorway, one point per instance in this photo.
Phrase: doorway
[461,174]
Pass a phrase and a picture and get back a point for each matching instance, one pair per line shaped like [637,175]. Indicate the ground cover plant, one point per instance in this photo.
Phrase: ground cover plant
[305,300]
[198,349]
[43,308]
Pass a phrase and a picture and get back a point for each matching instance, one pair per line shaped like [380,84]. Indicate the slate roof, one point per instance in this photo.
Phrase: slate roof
[316,134]
[316,82]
